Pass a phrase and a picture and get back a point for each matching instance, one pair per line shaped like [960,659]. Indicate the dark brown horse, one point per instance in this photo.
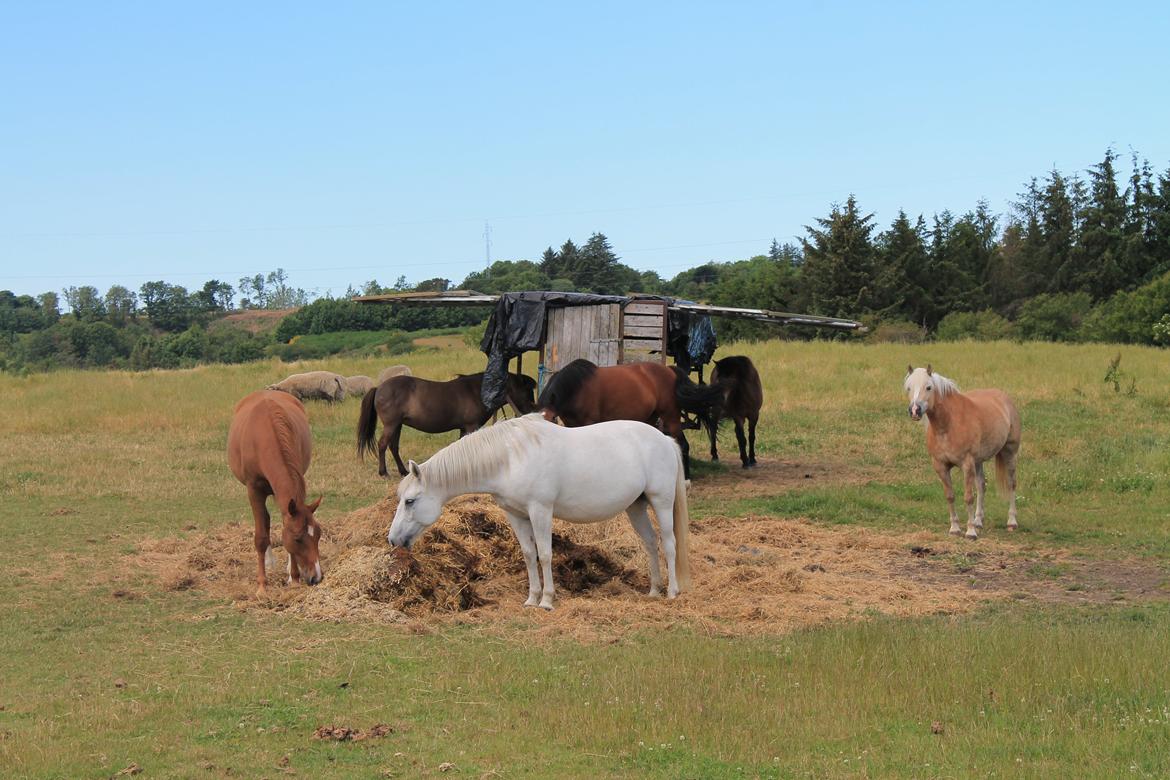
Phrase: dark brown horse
[431,407]
[581,393]
[743,395]
[269,449]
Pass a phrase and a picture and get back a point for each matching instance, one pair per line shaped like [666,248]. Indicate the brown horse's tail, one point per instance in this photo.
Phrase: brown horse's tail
[367,424]
[703,401]
[682,522]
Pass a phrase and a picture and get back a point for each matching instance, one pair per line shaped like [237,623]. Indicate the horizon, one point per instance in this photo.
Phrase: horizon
[374,142]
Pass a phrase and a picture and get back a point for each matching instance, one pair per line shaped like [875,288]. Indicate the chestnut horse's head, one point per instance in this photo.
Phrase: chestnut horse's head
[301,534]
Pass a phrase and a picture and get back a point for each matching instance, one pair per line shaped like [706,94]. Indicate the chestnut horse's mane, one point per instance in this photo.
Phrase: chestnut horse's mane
[286,443]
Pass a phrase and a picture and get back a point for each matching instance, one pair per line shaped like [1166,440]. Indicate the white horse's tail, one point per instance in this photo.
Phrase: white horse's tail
[682,522]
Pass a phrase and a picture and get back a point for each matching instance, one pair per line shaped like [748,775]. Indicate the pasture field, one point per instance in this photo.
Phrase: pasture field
[103,670]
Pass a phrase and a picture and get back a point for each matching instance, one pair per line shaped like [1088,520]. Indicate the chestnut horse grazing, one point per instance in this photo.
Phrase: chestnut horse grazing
[536,470]
[582,393]
[431,407]
[269,448]
[964,430]
[743,395]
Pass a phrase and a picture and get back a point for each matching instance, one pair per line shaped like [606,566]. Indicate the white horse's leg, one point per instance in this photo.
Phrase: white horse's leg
[981,485]
[523,530]
[541,519]
[664,511]
[640,520]
[944,474]
[970,483]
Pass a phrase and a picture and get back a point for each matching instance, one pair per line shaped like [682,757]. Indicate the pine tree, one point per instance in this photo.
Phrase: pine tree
[840,271]
[905,271]
[1098,258]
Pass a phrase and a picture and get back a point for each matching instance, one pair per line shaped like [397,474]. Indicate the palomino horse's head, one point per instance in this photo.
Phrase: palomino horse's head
[417,509]
[921,388]
[301,535]
[521,390]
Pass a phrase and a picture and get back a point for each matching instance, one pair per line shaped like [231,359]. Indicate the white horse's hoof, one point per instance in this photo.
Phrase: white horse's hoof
[971,535]
[956,532]
[672,595]
[544,606]
[654,593]
[1012,526]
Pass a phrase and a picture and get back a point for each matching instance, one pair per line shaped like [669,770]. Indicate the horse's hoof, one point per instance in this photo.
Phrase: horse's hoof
[971,535]
[1012,526]
[956,532]
[546,607]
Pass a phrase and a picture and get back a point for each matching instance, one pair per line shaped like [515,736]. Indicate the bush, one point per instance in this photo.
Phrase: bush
[1129,317]
[1053,317]
[983,325]
[897,332]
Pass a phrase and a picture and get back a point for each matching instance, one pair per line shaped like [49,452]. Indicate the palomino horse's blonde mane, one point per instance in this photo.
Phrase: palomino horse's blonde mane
[483,453]
[942,385]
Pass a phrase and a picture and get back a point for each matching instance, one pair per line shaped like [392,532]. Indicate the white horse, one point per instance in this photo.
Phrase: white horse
[536,470]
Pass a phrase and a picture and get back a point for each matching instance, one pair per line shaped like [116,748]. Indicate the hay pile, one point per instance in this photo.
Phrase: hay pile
[751,575]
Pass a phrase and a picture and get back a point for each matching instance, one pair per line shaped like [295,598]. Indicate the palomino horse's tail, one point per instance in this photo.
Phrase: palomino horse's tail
[367,424]
[682,522]
[1001,473]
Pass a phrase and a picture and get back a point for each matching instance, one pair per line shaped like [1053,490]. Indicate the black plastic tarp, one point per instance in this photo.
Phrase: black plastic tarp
[517,326]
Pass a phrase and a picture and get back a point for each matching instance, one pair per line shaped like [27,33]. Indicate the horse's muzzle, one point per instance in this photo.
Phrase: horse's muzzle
[916,411]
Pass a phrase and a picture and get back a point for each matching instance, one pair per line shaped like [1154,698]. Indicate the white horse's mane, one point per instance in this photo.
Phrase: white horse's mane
[942,385]
[483,453]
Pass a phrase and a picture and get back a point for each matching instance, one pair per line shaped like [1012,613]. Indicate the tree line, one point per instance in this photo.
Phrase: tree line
[1074,258]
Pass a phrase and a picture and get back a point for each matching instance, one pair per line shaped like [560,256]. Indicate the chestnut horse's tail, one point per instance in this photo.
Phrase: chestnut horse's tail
[1001,473]
[682,522]
[367,424]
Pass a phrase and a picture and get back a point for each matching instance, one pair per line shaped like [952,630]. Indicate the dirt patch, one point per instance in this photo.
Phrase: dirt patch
[751,575]
[255,321]
[768,477]
[441,342]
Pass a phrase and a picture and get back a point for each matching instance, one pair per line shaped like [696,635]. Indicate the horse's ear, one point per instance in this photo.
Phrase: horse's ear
[414,469]
[928,371]
[313,506]
[909,369]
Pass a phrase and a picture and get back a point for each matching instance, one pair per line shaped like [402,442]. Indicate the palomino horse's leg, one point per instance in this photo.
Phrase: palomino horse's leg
[1009,463]
[260,534]
[395,436]
[981,486]
[522,527]
[541,519]
[970,488]
[664,511]
[739,438]
[752,440]
[944,473]
[640,520]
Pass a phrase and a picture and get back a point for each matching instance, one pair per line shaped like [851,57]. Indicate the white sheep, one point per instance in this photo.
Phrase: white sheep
[358,385]
[323,385]
[399,370]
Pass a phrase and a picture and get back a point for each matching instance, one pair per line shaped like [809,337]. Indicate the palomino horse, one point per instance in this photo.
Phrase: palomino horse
[965,429]
[581,393]
[743,395]
[431,407]
[536,470]
[269,449]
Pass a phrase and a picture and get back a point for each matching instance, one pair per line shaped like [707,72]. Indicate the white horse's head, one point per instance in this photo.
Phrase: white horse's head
[417,511]
[924,388]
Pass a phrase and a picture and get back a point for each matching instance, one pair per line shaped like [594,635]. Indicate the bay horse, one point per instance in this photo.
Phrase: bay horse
[964,430]
[583,393]
[269,449]
[431,407]
[743,395]
[536,470]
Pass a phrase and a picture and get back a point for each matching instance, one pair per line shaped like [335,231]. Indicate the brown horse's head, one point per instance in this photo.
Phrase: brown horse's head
[301,534]
[521,390]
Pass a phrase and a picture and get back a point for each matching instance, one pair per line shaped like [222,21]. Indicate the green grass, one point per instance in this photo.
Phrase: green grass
[100,667]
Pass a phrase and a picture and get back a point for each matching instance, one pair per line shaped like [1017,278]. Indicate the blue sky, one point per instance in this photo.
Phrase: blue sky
[352,141]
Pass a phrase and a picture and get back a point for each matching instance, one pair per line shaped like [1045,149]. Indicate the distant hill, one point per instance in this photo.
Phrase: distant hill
[255,321]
